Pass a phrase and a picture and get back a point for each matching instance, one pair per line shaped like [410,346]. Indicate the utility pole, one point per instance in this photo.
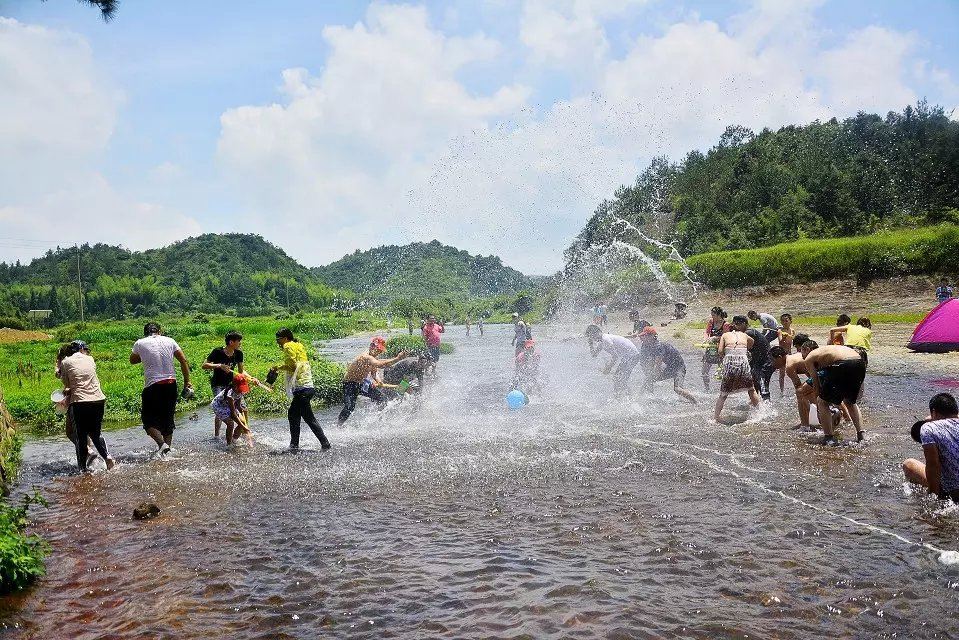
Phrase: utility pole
[80,284]
[287,281]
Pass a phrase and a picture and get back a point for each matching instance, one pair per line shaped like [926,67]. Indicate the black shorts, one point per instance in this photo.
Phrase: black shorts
[159,406]
[434,353]
[842,381]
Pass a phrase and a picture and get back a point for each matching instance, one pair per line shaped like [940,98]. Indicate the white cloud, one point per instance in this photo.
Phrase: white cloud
[869,72]
[385,143]
[57,115]
[342,152]
[569,34]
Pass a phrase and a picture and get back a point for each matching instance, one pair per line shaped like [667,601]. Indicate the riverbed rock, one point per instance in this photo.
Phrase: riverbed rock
[145,511]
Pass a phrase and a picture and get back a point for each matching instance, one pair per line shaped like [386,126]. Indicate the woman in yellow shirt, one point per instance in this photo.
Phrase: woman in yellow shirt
[299,376]
[858,336]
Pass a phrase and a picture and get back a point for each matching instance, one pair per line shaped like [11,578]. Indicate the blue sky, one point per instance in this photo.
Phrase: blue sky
[332,126]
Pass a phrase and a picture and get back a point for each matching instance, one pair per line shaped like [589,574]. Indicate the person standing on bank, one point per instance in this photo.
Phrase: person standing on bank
[222,361]
[82,386]
[157,353]
[299,376]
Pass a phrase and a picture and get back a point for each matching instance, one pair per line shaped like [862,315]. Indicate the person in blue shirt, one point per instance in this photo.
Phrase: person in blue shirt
[943,292]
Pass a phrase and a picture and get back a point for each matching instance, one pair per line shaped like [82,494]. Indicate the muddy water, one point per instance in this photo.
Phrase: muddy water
[452,517]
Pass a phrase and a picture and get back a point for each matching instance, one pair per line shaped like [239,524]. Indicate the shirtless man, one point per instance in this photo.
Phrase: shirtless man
[359,377]
[837,373]
[793,366]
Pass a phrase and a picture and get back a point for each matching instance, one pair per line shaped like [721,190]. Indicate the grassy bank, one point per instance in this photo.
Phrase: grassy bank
[909,251]
[26,368]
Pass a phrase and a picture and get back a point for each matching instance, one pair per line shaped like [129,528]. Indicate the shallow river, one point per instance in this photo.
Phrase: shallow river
[454,517]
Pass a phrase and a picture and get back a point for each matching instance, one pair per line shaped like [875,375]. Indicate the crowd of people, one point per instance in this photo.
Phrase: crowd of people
[828,381]
[747,356]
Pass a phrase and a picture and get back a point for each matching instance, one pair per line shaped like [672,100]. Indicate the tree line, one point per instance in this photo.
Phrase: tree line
[822,180]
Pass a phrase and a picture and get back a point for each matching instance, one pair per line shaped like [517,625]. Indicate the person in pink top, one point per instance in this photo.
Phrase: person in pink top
[431,335]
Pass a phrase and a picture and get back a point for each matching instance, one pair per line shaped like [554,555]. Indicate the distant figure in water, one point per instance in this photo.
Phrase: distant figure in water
[939,436]
[359,378]
[837,374]
[431,336]
[603,316]
[624,355]
[770,328]
[158,400]
[300,389]
[638,324]
[943,292]
[716,326]
[526,374]
[521,333]
[737,376]
[857,336]
[786,335]
[479,323]
[467,326]
[662,361]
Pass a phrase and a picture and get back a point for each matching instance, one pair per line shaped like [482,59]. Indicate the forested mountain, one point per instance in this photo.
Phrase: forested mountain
[237,273]
[824,179]
[421,270]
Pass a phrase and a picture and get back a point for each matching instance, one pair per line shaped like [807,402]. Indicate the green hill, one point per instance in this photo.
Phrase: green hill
[421,270]
[212,273]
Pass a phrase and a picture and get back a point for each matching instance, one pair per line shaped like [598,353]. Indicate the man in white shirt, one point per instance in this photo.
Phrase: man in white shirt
[624,352]
[521,334]
[157,353]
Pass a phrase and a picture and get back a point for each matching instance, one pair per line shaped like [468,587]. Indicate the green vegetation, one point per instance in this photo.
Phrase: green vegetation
[26,368]
[924,250]
[495,309]
[823,180]
[21,555]
[234,274]
[412,343]
[421,271]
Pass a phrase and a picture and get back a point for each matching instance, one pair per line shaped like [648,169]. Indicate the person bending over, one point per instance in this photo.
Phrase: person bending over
[939,436]
[663,362]
[359,378]
[837,373]
[624,355]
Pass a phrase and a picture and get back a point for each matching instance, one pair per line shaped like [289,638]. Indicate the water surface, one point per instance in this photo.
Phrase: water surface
[453,517]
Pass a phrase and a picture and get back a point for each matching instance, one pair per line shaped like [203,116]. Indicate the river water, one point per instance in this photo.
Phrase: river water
[574,517]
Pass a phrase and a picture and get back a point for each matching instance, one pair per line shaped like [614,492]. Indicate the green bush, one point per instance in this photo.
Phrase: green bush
[412,343]
[12,323]
[21,556]
[909,251]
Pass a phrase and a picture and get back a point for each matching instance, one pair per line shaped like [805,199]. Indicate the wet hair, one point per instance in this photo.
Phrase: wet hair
[786,315]
[718,311]
[777,352]
[800,339]
[151,328]
[740,320]
[944,404]
[593,332]
[843,320]
[752,315]
[233,336]
[864,322]
[810,344]
[286,333]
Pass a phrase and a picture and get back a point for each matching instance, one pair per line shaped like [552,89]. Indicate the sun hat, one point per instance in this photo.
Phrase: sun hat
[379,343]
[648,331]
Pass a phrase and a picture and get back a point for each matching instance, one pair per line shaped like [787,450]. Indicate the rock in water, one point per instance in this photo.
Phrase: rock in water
[145,511]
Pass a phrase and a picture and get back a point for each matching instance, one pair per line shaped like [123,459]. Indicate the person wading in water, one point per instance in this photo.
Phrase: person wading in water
[300,390]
